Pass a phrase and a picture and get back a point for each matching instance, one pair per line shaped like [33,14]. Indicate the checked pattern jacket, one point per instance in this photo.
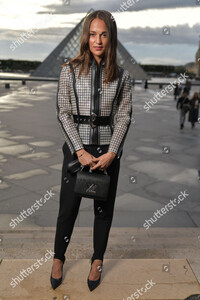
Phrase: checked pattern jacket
[94,96]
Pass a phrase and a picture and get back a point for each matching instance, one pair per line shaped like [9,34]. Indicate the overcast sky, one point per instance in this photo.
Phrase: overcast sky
[153,31]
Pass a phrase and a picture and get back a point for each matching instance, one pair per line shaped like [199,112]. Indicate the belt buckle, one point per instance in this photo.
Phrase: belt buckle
[93,117]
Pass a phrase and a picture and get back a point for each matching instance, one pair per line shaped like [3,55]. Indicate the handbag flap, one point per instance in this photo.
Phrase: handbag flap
[92,185]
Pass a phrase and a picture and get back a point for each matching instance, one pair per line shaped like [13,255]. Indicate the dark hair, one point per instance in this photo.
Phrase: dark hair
[84,58]
[195,95]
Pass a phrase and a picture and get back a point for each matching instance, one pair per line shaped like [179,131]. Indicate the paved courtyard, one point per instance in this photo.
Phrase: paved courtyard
[159,162]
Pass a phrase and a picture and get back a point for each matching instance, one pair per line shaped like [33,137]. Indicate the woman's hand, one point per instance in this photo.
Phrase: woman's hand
[103,161]
[86,159]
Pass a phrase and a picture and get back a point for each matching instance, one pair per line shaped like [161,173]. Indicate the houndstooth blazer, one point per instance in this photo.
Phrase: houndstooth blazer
[94,95]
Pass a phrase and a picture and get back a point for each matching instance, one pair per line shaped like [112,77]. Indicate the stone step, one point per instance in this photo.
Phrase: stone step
[124,242]
[121,279]
[168,256]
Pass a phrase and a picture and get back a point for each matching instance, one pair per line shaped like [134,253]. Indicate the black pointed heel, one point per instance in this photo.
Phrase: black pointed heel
[56,282]
[94,284]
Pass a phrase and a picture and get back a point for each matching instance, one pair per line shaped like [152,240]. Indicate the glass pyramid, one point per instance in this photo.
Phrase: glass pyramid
[69,48]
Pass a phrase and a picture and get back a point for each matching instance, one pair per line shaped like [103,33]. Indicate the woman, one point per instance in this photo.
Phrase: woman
[97,144]
[194,110]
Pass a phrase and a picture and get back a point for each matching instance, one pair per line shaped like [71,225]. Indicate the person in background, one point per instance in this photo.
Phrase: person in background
[180,88]
[176,91]
[184,106]
[146,84]
[194,109]
[187,87]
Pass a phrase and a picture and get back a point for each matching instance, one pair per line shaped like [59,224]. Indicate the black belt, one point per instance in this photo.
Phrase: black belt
[93,120]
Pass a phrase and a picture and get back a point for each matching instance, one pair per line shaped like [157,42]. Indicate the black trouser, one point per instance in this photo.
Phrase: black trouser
[69,206]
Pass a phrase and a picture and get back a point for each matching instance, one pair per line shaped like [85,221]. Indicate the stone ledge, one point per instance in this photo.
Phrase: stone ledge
[173,278]
[124,242]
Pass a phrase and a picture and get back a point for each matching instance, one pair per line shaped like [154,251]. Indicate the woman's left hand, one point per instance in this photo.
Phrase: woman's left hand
[103,161]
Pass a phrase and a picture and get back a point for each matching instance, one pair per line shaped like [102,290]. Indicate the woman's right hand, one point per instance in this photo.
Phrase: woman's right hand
[86,158]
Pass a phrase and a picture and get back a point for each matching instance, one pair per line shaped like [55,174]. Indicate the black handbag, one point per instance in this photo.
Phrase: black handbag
[92,185]
[89,184]
[185,106]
